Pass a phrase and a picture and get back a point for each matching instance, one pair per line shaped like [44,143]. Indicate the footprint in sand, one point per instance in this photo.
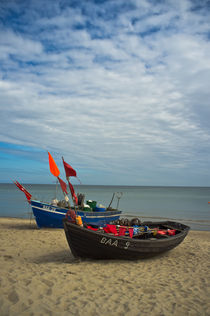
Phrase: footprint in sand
[13,297]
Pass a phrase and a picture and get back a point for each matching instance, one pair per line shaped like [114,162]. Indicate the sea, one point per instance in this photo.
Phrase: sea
[188,205]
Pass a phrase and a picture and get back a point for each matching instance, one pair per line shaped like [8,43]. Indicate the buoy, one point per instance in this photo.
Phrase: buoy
[79,220]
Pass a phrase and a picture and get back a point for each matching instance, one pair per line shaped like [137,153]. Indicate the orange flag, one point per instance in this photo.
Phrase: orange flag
[53,167]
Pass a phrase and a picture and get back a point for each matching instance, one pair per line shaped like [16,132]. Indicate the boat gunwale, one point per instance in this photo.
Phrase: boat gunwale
[64,210]
[127,238]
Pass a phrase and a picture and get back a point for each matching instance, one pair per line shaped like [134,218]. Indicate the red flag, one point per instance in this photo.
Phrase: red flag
[63,185]
[27,194]
[70,172]
[74,197]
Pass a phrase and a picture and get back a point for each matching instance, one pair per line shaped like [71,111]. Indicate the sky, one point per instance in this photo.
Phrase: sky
[120,89]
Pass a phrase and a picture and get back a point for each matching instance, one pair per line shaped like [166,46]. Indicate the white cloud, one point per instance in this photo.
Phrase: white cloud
[126,91]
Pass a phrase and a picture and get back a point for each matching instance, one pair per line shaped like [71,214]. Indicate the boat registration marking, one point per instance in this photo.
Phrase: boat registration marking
[48,210]
[111,242]
[127,244]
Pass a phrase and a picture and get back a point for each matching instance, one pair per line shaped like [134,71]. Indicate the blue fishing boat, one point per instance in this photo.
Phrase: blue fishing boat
[51,215]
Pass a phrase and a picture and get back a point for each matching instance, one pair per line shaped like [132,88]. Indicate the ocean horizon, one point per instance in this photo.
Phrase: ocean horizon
[180,203]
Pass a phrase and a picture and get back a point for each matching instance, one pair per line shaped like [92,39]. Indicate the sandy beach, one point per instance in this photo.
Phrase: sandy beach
[39,276]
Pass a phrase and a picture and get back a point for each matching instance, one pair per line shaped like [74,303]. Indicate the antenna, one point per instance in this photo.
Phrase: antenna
[119,195]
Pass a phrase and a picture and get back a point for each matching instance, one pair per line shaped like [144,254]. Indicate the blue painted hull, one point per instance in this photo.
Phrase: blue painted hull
[51,216]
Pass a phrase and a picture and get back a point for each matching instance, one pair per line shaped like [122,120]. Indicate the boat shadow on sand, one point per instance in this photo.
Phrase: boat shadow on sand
[63,257]
[20,226]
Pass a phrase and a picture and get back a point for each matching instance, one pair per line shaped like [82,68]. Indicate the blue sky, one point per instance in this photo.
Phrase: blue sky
[120,88]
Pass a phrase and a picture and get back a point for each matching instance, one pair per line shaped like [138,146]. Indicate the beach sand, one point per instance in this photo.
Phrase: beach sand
[39,276]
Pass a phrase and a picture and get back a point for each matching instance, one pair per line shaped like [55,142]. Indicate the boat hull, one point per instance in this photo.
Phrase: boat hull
[50,216]
[86,243]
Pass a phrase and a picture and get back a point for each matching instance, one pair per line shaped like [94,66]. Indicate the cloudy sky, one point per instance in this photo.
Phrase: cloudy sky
[120,88]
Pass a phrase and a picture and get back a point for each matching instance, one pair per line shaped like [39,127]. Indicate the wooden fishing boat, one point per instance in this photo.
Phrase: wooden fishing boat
[96,244]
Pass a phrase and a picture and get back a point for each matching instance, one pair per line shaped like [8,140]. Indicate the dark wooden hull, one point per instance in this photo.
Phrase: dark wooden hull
[86,243]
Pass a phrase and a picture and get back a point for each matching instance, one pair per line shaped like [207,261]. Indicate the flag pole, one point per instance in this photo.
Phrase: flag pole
[70,172]
[56,188]
[64,190]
